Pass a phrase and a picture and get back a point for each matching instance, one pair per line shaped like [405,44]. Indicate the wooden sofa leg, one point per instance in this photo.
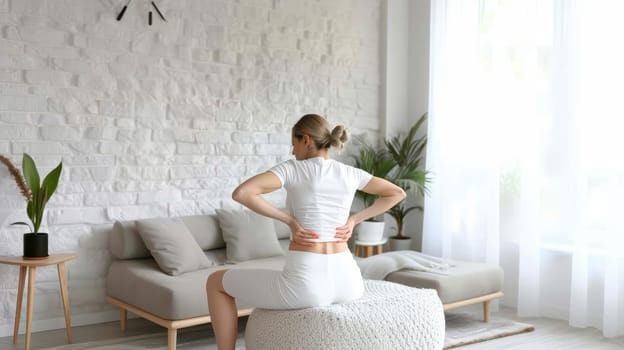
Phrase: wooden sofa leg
[123,318]
[172,338]
[486,310]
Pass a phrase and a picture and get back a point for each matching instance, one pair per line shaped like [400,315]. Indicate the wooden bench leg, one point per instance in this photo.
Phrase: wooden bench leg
[123,318]
[486,310]
[172,338]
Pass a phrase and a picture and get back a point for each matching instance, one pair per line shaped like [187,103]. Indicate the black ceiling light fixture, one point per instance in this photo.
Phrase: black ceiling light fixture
[121,13]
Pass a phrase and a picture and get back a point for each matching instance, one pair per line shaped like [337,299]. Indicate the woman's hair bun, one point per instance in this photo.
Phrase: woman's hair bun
[339,136]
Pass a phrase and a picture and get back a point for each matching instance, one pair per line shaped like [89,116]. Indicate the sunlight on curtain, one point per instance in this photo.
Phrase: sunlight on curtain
[526,150]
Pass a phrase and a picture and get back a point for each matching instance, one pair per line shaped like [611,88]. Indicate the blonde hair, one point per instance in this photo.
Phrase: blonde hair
[317,128]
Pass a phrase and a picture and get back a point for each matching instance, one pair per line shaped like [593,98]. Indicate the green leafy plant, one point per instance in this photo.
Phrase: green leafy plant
[398,162]
[376,162]
[407,153]
[37,193]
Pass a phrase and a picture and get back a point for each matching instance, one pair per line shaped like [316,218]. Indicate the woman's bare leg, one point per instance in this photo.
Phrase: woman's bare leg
[223,312]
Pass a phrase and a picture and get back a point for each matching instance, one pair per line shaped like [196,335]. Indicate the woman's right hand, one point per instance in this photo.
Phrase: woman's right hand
[300,235]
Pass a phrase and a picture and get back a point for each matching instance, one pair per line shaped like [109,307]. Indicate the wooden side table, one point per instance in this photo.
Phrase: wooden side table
[31,265]
[365,249]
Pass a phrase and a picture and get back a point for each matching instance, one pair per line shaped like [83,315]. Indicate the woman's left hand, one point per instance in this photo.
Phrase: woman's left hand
[344,232]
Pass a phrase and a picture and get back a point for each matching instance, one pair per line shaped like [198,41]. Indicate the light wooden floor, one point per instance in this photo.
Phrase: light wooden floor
[548,335]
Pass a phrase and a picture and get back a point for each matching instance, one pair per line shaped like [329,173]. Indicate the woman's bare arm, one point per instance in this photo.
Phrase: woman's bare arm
[249,194]
[389,195]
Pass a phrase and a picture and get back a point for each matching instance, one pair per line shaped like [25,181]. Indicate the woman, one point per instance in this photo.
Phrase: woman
[319,269]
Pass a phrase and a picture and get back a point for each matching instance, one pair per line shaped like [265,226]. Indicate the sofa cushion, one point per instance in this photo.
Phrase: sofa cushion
[172,245]
[142,284]
[205,229]
[464,280]
[125,242]
[248,235]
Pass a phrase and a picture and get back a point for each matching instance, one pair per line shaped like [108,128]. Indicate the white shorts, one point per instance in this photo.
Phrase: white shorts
[308,280]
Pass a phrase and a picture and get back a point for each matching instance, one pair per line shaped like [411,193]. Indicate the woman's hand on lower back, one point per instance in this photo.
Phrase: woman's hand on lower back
[300,235]
[345,231]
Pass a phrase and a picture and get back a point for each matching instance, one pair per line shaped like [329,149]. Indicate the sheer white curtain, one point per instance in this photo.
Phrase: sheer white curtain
[526,147]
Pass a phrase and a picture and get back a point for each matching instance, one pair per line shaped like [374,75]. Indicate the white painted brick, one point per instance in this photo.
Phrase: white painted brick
[19,132]
[226,149]
[101,160]
[10,75]
[51,51]
[68,199]
[226,57]
[4,147]
[91,173]
[280,138]
[213,137]
[77,216]
[101,133]
[104,199]
[101,173]
[173,135]
[143,173]
[23,103]
[115,44]
[141,135]
[166,196]
[148,108]
[125,123]
[42,35]
[112,148]
[137,212]
[34,148]
[83,147]
[184,208]
[78,40]
[184,172]
[269,149]
[96,81]
[47,119]
[29,7]
[139,186]
[60,133]
[11,47]
[250,137]
[220,13]
[88,120]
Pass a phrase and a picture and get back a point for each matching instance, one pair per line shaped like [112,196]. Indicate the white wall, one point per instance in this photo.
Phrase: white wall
[163,120]
[406,89]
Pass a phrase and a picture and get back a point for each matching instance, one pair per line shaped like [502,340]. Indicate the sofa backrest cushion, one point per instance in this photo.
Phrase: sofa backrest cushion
[126,243]
[172,245]
[248,235]
[206,230]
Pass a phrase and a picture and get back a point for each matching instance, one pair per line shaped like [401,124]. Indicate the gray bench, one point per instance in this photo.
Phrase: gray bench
[466,283]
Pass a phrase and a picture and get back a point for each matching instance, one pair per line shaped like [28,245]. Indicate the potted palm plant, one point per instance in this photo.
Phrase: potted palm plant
[37,194]
[376,162]
[407,153]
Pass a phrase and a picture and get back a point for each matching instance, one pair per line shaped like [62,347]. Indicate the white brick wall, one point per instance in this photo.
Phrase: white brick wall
[163,120]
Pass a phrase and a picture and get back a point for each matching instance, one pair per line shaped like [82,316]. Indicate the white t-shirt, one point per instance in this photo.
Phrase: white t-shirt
[319,192]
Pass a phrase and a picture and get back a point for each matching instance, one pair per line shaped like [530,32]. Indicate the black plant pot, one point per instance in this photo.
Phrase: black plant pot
[35,245]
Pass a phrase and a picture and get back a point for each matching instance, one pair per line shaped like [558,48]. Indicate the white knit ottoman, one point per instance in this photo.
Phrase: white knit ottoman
[388,316]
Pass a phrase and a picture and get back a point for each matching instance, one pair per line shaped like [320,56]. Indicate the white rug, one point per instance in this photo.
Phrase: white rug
[461,329]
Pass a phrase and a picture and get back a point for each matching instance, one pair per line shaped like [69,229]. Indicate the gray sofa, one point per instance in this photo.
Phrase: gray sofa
[137,283]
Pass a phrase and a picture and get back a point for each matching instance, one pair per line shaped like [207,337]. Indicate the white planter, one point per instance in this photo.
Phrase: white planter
[370,231]
[400,244]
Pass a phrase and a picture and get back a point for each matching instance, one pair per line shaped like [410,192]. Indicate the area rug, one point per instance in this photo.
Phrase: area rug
[461,329]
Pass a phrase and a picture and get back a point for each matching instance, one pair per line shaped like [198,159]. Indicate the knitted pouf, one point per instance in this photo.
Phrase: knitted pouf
[388,316]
